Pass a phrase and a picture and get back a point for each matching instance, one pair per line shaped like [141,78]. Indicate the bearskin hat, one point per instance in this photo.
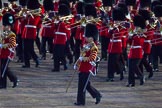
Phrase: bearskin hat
[63,10]
[118,14]
[80,8]
[12,0]
[23,2]
[145,14]
[0,4]
[66,2]
[158,11]
[154,3]
[139,21]
[124,7]
[90,10]
[48,5]
[8,19]
[89,1]
[33,4]
[145,3]
[91,31]
[130,2]
[107,2]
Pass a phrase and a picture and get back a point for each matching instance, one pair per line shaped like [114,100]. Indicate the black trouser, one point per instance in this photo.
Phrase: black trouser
[78,43]
[43,45]
[156,52]
[12,77]
[104,44]
[145,63]
[37,40]
[19,47]
[133,65]
[83,76]
[114,65]
[59,55]
[29,51]
[68,52]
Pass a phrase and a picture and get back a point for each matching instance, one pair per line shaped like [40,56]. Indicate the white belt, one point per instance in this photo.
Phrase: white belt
[147,41]
[117,40]
[135,47]
[60,33]
[31,26]
[124,36]
[46,26]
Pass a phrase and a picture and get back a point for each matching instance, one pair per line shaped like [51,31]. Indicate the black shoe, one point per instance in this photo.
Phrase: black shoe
[25,66]
[15,84]
[130,85]
[110,80]
[3,87]
[55,70]
[98,99]
[79,104]
[156,70]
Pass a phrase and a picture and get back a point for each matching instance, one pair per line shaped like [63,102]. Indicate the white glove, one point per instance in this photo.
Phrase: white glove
[81,58]
[0,45]
[75,67]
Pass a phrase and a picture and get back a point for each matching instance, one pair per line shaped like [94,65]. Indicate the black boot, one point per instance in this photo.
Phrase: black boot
[15,83]
[98,99]
[79,104]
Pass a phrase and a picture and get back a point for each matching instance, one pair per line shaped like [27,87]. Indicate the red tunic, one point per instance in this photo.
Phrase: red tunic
[61,34]
[79,33]
[136,48]
[30,30]
[157,40]
[48,30]
[11,43]
[103,31]
[115,45]
[91,55]
[147,42]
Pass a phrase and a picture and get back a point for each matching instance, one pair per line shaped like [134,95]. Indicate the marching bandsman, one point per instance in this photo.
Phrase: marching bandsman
[79,29]
[30,32]
[156,41]
[135,54]
[60,38]
[7,44]
[22,23]
[47,28]
[147,42]
[85,67]
[104,35]
[126,25]
[115,45]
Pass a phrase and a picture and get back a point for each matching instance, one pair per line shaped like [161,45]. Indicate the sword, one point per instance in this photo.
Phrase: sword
[4,70]
[69,83]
